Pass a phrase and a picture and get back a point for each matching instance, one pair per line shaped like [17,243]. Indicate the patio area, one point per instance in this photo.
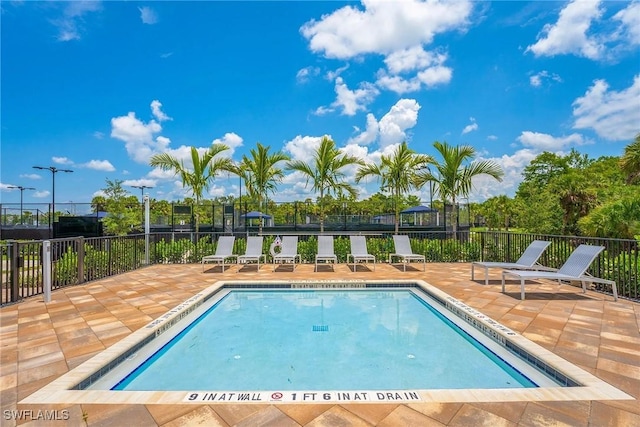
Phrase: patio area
[40,342]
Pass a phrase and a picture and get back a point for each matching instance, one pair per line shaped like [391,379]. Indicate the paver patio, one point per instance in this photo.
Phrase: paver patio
[40,342]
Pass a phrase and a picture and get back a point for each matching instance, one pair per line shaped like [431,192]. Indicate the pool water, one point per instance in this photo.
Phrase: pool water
[322,340]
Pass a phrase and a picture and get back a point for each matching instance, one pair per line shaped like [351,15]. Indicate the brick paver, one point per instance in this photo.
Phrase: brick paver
[39,342]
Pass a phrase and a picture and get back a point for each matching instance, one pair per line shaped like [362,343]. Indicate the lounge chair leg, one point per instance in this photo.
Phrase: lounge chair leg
[522,289]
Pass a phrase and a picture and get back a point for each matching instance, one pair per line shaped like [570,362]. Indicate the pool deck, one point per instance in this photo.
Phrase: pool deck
[40,342]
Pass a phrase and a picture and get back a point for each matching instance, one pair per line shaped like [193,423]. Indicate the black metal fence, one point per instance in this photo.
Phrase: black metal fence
[78,260]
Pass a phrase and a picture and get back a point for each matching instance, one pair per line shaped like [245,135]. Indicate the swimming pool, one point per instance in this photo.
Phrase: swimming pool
[91,382]
[380,339]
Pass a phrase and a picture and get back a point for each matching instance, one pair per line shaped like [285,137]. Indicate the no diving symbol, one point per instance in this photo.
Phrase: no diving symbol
[276,396]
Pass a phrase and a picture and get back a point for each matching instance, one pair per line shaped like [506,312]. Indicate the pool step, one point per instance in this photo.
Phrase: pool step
[320,328]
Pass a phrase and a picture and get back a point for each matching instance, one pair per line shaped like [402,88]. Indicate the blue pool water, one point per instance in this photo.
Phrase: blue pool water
[322,340]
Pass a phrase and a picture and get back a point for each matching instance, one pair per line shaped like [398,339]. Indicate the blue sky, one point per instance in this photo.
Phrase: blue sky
[99,87]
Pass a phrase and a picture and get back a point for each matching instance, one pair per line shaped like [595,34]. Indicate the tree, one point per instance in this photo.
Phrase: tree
[261,174]
[498,212]
[453,176]
[617,219]
[205,167]
[123,215]
[630,161]
[397,173]
[325,172]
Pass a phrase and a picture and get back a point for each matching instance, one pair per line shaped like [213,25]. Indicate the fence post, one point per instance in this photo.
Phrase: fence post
[146,230]
[80,252]
[15,268]
[46,269]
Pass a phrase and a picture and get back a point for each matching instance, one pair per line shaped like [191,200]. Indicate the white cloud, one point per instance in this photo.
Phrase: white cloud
[148,15]
[159,174]
[485,187]
[166,55]
[545,142]
[369,135]
[156,110]
[612,115]
[435,75]
[383,27]
[333,74]
[99,165]
[393,125]
[432,76]
[350,101]
[98,135]
[630,19]
[569,34]
[302,147]
[41,194]
[140,182]
[492,138]
[536,80]
[411,59]
[70,25]
[138,137]
[62,160]
[398,84]
[231,140]
[304,74]
[471,126]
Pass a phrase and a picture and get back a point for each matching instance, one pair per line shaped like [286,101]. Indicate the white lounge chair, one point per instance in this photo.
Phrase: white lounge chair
[289,252]
[224,251]
[325,251]
[573,269]
[527,261]
[359,251]
[253,252]
[404,252]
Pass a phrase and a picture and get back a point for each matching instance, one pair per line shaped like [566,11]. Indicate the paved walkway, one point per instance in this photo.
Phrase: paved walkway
[40,342]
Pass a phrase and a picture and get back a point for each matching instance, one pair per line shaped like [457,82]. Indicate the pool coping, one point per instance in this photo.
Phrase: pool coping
[60,391]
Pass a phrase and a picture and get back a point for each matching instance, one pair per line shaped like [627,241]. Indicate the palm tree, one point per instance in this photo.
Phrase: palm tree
[325,172]
[260,173]
[630,161]
[205,168]
[397,172]
[453,177]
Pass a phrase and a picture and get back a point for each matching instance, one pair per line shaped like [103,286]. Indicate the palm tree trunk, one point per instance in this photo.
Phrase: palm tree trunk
[397,213]
[321,211]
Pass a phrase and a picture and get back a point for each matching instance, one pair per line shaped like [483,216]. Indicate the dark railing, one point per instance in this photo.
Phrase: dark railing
[78,260]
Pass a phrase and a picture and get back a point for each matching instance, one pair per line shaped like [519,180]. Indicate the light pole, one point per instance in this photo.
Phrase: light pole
[53,171]
[142,187]
[21,188]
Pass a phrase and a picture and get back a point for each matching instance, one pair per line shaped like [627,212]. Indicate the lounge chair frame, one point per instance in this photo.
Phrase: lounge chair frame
[527,261]
[573,269]
[253,252]
[404,253]
[224,251]
[289,252]
[326,251]
[359,251]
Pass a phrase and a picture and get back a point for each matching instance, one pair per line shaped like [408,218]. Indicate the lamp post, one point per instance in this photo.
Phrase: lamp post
[53,171]
[142,187]
[21,188]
